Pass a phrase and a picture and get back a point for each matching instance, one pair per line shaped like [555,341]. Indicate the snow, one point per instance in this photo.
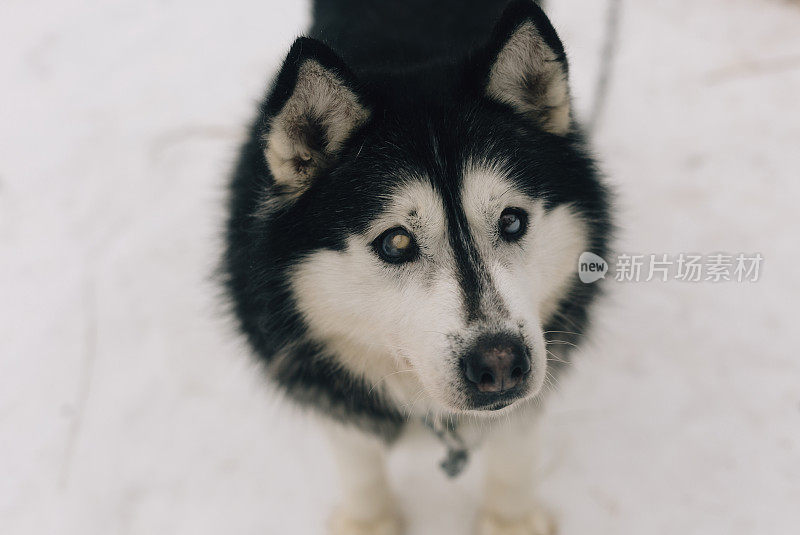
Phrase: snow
[127,404]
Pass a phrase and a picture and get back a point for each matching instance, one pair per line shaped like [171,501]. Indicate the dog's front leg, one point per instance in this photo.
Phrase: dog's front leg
[509,506]
[367,505]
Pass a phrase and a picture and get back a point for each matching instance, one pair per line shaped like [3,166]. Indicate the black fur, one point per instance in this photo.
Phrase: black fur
[420,66]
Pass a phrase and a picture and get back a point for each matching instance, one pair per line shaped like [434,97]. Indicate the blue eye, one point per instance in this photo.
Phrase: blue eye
[513,223]
[396,246]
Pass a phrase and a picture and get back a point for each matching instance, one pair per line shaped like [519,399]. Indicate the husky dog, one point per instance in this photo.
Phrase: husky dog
[406,220]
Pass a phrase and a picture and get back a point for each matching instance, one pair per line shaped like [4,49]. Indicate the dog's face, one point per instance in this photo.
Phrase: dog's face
[432,236]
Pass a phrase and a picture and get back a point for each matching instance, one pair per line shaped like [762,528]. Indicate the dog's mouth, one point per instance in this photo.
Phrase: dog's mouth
[497,370]
[492,402]
[495,406]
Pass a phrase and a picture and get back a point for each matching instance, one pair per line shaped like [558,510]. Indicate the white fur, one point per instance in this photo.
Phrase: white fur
[530,277]
[367,506]
[389,324]
[384,322]
[509,506]
[535,522]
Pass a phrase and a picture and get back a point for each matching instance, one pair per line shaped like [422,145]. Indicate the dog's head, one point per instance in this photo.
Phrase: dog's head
[431,224]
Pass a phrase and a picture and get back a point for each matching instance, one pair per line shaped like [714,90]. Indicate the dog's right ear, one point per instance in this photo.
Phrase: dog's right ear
[312,111]
[524,66]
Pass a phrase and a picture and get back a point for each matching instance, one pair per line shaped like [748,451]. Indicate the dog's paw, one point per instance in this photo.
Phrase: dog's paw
[342,523]
[536,522]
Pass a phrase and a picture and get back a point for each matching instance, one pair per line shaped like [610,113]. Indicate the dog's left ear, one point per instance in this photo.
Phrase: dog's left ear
[313,110]
[524,66]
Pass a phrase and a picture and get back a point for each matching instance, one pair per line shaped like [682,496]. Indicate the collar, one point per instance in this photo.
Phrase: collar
[457,454]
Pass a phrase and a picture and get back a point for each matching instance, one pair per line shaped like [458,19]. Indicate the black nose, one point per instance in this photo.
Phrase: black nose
[497,363]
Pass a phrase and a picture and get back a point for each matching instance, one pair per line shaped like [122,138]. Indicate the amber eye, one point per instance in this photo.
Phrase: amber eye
[396,246]
[513,223]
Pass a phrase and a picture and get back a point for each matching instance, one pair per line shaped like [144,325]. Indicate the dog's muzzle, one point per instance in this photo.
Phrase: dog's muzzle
[495,369]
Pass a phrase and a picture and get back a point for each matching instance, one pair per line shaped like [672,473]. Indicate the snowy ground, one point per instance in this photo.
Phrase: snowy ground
[126,405]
